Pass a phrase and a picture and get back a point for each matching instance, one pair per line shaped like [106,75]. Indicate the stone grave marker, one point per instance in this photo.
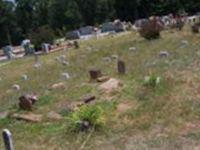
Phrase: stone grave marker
[8,51]
[65,76]
[27,101]
[7,138]
[164,54]
[24,77]
[95,73]
[37,64]
[121,67]
[76,44]
[16,87]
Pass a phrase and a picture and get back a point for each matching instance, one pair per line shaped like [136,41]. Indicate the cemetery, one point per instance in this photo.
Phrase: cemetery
[130,87]
[127,79]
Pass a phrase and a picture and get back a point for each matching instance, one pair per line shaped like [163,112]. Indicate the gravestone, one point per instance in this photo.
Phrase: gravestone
[46,47]
[37,64]
[65,76]
[29,48]
[88,99]
[24,77]
[76,44]
[8,51]
[121,67]
[163,54]
[95,74]
[7,137]
[16,87]
[27,101]
[132,49]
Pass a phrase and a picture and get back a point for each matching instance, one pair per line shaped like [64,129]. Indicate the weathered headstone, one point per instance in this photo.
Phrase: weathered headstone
[163,54]
[76,44]
[46,47]
[7,137]
[27,101]
[65,76]
[16,87]
[37,63]
[88,98]
[121,67]
[24,77]
[94,74]
[114,56]
[132,49]
[8,51]
[60,85]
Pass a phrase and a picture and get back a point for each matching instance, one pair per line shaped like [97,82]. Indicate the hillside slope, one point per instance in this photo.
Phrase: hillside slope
[166,117]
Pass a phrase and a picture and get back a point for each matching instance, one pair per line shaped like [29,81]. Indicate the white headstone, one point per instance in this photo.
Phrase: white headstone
[7,137]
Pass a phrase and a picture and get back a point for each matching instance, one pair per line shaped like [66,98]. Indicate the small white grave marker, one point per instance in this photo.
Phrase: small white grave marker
[7,137]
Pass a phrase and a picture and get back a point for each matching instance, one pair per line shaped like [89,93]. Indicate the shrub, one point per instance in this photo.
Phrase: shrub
[152,81]
[195,28]
[151,29]
[41,35]
[86,117]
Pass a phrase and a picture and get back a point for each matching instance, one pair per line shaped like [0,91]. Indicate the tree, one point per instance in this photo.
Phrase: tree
[7,22]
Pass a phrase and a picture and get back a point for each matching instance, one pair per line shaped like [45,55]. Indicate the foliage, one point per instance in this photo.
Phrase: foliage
[86,117]
[152,81]
[21,18]
[150,30]
[42,34]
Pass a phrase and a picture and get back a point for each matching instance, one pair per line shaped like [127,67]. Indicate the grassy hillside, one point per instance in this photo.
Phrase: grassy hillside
[136,116]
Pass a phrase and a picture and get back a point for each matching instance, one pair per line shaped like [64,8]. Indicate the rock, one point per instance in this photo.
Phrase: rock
[4,115]
[37,65]
[27,101]
[115,57]
[164,54]
[110,85]
[132,49]
[65,63]
[24,77]
[53,116]
[103,79]
[29,117]
[121,67]
[16,87]
[94,74]
[60,85]
[106,59]
[184,42]
[65,76]
[87,99]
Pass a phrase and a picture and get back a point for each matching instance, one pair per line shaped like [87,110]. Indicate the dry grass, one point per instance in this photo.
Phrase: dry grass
[166,117]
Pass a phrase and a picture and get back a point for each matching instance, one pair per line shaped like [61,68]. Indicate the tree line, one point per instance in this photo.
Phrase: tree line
[23,17]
